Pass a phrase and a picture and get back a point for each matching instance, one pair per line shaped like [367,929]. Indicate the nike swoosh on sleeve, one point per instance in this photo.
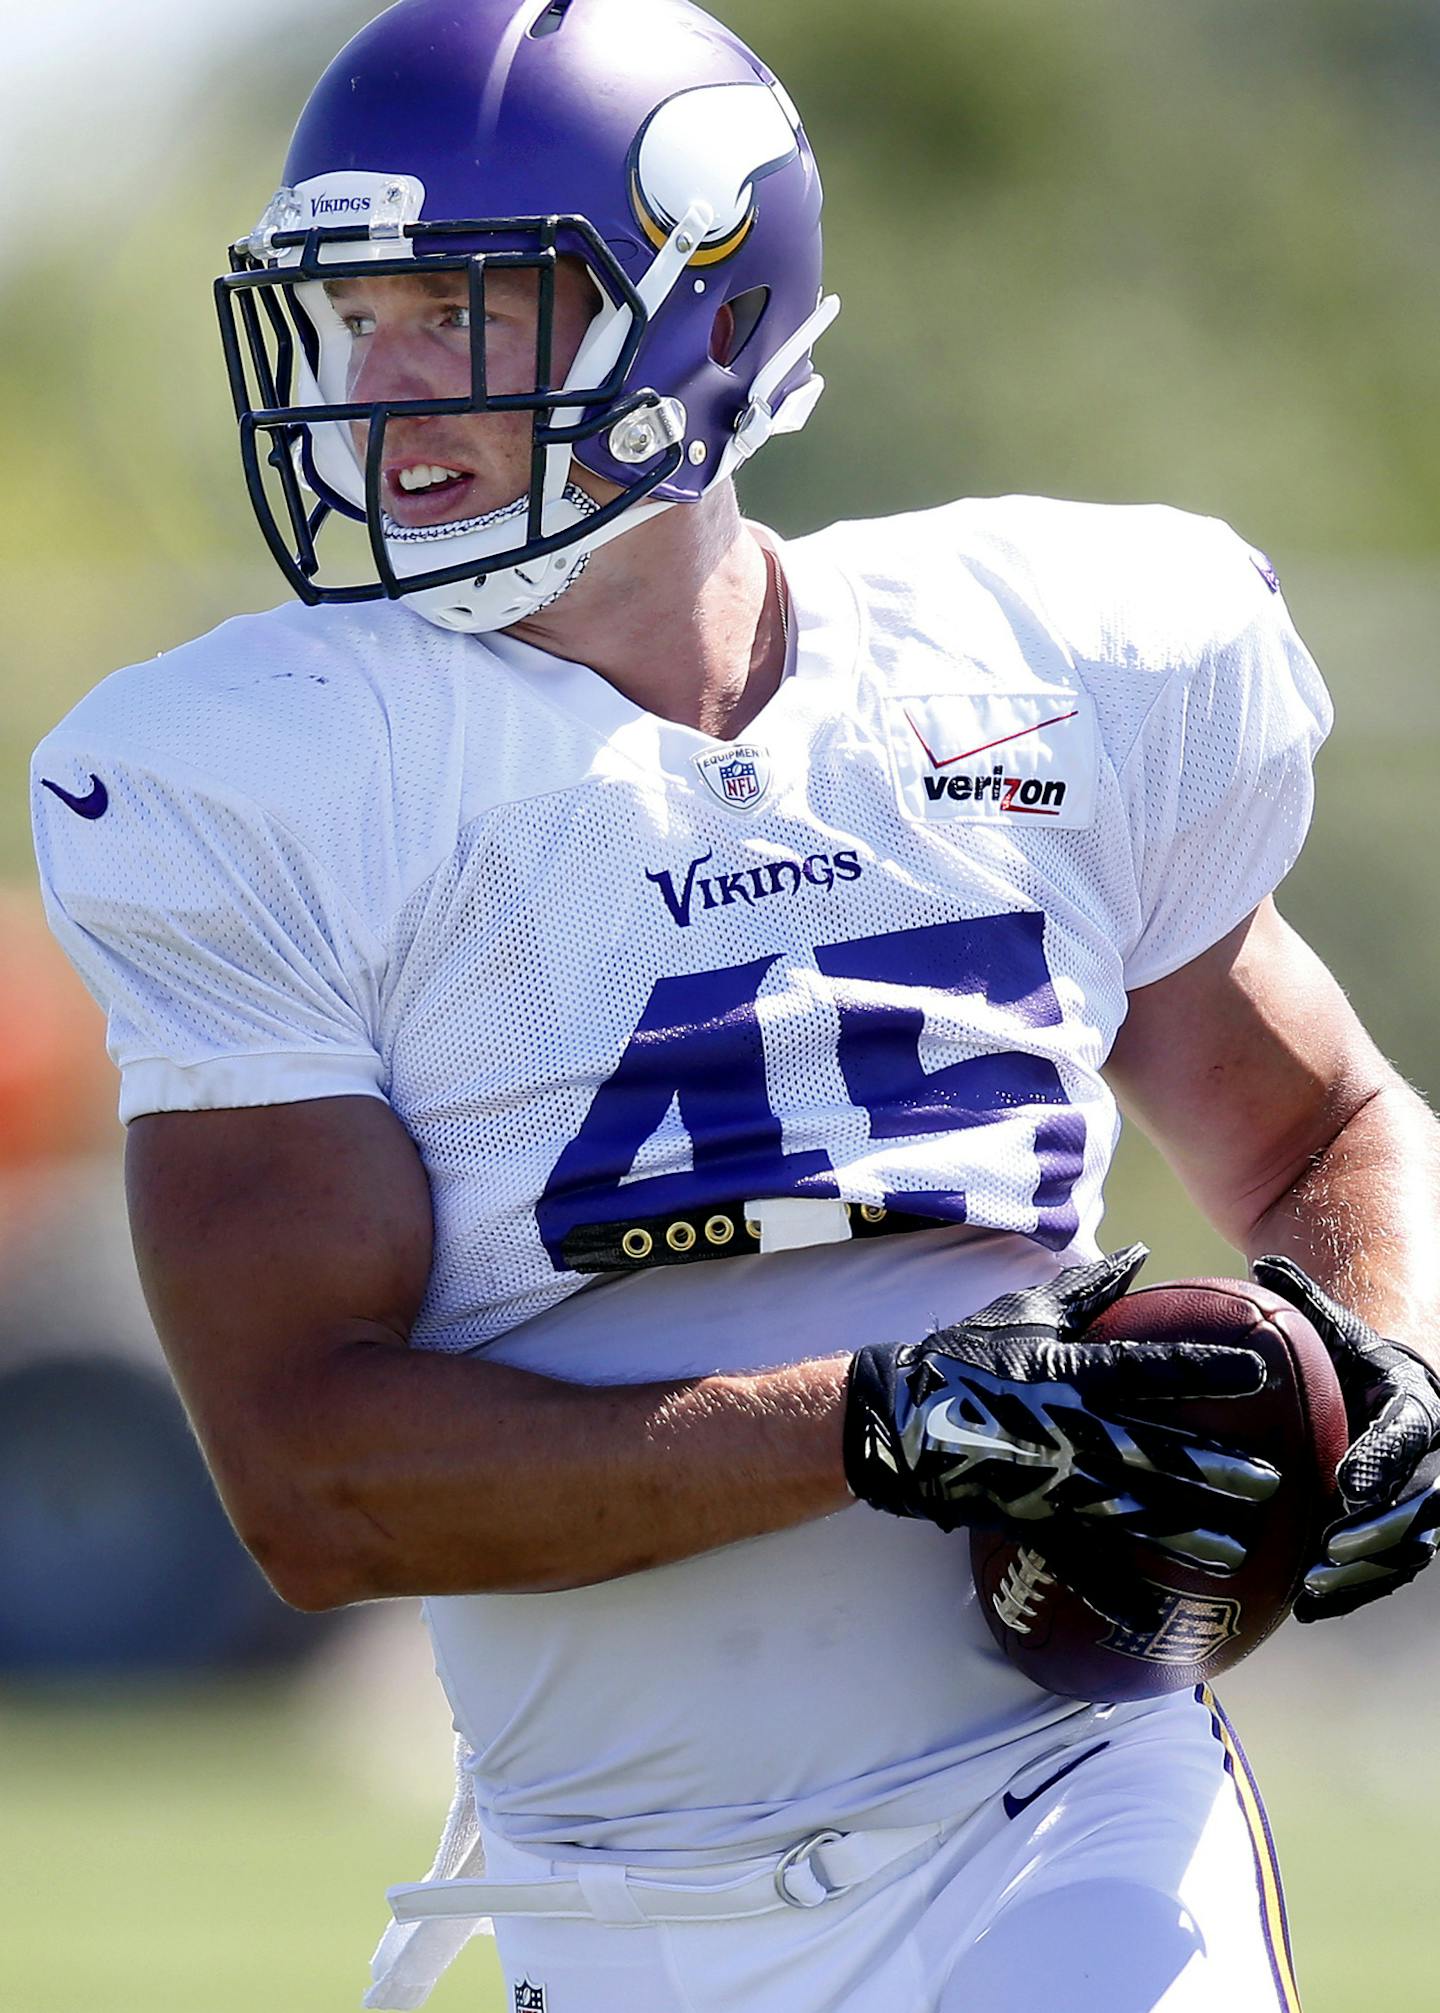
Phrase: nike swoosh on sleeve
[94,804]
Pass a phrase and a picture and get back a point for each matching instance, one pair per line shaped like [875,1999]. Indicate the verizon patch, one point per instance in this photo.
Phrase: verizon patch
[1021,758]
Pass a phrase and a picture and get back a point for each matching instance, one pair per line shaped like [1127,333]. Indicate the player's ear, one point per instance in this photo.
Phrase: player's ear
[722,336]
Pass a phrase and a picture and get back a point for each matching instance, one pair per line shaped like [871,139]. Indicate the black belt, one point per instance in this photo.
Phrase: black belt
[721,1231]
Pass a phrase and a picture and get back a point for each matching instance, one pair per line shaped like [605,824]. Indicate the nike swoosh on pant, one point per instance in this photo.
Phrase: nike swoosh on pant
[1015,1804]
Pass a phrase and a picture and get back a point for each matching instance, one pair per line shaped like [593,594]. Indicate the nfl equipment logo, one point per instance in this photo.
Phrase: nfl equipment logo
[740,781]
[739,776]
[529,1998]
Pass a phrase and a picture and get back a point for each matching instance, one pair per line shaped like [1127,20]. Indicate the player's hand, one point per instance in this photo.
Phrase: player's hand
[1010,1420]
[1390,1478]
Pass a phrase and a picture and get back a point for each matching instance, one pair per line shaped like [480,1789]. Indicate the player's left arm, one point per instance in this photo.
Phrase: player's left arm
[1253,1074]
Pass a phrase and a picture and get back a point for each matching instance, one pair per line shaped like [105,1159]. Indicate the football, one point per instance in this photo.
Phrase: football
[1206,1625]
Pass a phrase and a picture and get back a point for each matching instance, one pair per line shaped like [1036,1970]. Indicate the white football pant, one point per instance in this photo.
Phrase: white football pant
[1126,1874]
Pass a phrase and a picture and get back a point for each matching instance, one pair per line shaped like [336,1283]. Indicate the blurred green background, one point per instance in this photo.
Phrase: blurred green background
[1118,251]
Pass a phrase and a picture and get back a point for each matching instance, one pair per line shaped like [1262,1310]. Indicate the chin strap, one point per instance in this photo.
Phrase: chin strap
[762,419]
[496,600]
[426,534]
[499,600]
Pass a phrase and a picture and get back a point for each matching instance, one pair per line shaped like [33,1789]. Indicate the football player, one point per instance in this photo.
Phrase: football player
[619,1018]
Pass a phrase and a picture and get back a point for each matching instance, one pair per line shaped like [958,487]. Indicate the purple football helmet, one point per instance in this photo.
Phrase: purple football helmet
[639,136]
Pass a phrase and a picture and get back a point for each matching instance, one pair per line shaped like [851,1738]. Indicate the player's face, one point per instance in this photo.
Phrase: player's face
[410,339]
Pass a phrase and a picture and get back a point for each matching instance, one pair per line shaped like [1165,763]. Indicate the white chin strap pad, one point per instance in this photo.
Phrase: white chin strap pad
[499,600]
[490,601]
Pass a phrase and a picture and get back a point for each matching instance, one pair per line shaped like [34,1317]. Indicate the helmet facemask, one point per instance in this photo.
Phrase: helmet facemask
[286,350]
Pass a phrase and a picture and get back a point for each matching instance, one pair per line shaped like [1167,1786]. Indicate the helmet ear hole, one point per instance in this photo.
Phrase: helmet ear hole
[722,336]
[552,20]
[735,324]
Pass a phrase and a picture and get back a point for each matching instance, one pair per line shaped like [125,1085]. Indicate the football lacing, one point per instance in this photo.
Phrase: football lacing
[1017,1602]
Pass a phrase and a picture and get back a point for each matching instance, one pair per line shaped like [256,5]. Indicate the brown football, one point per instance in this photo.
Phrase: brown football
[1296,1422]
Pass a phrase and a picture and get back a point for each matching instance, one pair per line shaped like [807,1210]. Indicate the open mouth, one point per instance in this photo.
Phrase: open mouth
[425,492]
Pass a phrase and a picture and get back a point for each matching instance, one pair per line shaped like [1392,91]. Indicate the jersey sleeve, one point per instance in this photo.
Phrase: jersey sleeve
[1219,782]
[230,969]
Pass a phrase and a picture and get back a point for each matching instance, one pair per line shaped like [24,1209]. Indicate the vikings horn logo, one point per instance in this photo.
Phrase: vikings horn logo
[713,144]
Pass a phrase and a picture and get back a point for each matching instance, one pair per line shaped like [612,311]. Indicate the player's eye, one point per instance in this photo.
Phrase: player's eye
[358,322]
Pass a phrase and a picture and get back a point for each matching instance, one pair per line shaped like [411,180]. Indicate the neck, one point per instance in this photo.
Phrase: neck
[680,616]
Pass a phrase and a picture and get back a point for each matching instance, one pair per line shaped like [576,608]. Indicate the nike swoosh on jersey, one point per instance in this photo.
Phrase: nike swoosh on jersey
[94,804]
[1015,1804]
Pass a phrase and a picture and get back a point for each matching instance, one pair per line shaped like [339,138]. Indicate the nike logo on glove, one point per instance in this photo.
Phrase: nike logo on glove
[94,804]
[1015,1804]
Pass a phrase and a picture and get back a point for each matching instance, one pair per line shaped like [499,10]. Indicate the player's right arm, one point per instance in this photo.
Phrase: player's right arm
[285,1251]
[213,862]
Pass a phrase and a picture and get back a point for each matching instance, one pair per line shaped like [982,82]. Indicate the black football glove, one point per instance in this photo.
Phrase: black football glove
[1390,1478]
[1010,1420]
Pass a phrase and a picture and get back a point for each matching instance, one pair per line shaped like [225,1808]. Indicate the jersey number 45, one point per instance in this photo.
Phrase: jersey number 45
[699,1048]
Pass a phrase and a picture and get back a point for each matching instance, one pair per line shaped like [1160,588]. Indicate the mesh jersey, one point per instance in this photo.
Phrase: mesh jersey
[1031,755]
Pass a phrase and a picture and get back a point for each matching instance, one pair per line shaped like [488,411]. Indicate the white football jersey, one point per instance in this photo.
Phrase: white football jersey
[615,976]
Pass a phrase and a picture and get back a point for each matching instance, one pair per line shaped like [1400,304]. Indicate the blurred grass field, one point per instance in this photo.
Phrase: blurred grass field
[201,1854]
[227,1851]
